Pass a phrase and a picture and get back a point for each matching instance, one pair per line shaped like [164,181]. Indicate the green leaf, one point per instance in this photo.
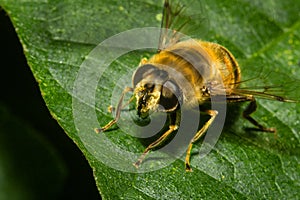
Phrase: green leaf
[58,35]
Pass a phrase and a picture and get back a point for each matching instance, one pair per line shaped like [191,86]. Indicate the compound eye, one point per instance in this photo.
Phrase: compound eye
[170,96]
[170,90]
[141,72]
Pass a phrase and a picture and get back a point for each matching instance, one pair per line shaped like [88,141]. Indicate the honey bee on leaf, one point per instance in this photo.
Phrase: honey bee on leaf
[209,68]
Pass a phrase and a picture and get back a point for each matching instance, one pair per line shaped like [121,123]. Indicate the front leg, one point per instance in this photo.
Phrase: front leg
[118,112]
[175,124]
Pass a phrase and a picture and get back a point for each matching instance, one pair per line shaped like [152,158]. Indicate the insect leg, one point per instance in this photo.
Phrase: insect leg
[213,114]
[110,108]
[160,140]
[249,110]
[118,112]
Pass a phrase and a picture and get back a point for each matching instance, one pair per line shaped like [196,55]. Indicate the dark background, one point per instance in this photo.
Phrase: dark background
[21,95]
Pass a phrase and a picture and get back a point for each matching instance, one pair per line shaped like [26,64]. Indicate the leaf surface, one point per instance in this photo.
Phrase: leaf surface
[58,35]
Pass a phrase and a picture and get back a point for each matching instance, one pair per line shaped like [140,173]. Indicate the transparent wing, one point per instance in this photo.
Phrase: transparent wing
[271,85]
[181,19]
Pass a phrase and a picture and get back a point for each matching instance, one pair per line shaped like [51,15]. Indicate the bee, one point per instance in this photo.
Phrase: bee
[209,68]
